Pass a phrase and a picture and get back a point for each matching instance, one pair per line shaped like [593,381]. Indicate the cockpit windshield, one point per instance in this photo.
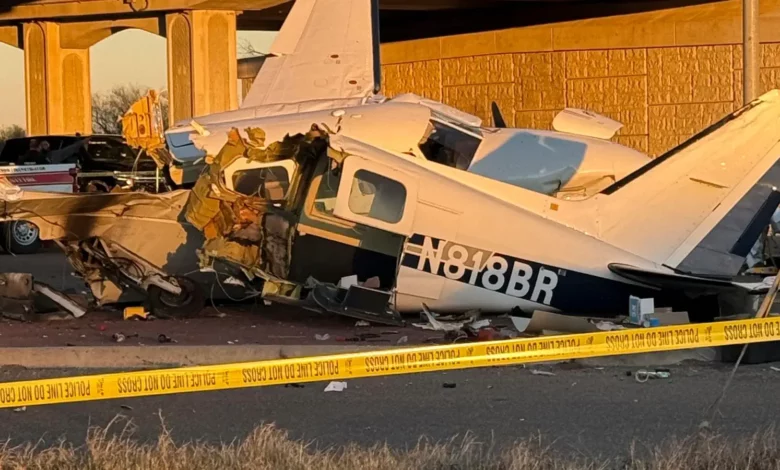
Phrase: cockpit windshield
[446,144]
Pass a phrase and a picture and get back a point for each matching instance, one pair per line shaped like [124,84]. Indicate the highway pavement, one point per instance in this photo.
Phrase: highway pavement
[587,411]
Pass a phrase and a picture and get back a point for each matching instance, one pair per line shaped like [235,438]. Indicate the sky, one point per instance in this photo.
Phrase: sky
[129,57]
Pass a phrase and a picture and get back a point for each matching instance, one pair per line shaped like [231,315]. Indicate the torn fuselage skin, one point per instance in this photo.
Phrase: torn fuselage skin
[268,210]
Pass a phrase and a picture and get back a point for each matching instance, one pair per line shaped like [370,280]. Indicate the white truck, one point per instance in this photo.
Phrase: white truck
[20,237]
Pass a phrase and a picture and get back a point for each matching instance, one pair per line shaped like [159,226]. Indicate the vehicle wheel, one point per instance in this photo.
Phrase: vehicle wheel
[187,304]
[20,237]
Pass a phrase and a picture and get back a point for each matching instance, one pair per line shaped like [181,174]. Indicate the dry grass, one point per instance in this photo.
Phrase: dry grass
[270,448]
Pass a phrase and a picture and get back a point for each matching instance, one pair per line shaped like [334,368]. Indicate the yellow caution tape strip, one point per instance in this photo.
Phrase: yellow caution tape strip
[387,362]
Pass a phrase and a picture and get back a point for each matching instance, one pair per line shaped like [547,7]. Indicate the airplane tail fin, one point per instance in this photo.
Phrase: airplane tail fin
[325,50]
[700,208]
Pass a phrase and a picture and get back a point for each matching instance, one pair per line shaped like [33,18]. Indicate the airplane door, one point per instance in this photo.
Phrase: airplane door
[376,195]
[379,196]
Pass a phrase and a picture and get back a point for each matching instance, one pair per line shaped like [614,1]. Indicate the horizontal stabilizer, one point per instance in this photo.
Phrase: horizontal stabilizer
[699,208]
[668,280]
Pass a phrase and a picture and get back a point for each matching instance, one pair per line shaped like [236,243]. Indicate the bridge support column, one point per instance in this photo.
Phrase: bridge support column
[202,64]
[57,83]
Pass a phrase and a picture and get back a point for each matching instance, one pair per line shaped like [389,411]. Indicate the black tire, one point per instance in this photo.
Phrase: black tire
[188,304]
[20,237]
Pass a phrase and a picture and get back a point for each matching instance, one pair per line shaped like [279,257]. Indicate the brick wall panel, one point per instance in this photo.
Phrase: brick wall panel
[612,63]
[660,143]
[423,78]
[770,55]
[636,142]
[690,74]
[461,97]
[672,124]
[662,95]
[535,119]
[624,62]
[479,70]
[540,79]
[501,68]
[619,98]
[476,100]
[587,64]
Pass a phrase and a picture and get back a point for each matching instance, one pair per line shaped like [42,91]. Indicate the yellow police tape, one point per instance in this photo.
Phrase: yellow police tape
[385,362]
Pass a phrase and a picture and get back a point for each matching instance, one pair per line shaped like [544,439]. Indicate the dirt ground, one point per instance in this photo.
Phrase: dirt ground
[234,324]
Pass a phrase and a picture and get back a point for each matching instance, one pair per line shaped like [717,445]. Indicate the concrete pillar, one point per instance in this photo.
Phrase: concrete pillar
[57,83]
[202,76]
[248,69]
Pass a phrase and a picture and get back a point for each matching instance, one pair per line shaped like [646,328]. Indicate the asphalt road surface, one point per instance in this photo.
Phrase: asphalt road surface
[598,412]
[49,266]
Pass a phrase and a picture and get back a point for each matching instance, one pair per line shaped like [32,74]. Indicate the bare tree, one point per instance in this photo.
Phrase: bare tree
[109,107]
[246,49]
[10,132]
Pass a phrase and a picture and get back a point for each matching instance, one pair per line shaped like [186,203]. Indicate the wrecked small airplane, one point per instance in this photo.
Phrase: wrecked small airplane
[320,192]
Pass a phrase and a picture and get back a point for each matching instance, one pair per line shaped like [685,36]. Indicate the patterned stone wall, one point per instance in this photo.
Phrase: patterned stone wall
[662,95]
[665,75]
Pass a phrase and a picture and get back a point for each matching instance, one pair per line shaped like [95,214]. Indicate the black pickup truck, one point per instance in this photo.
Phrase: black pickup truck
[103,163]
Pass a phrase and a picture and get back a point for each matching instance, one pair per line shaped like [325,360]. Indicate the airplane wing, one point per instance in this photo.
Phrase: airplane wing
[327,50]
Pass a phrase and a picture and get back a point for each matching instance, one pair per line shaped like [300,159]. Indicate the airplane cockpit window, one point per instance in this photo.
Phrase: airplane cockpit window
[325,199]
[269,183]
[377,196]
[448,145]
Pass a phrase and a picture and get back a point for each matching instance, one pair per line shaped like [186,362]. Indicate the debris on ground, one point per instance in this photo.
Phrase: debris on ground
[638,308]
[135,312]
[362,323]
[20,410]
[609,326]
[295,385]
[165,339]
[18,292]
[642,375]
[336,387]
[449,385]
[469,323]
[542,372]
[324,337]
[402,340]
[541,321]
[119,337]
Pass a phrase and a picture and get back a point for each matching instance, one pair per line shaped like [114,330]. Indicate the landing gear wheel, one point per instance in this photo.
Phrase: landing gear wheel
[187,304]
[20,237]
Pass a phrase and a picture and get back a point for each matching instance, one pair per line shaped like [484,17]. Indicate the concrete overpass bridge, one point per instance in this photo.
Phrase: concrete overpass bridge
[201,40]
[656,65]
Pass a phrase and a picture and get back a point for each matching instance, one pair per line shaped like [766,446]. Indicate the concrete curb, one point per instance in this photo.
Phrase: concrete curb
[126,357]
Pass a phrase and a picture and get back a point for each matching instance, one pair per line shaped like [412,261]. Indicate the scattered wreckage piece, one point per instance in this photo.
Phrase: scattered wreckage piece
[142,242]
[97,260]
[17,297]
